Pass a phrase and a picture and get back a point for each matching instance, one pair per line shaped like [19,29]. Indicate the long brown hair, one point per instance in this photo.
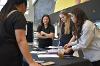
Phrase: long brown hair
[67,23]
[81,17]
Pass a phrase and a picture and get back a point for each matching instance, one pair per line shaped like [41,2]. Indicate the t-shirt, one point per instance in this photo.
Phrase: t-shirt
[43,43]
[10,54]
[65,38]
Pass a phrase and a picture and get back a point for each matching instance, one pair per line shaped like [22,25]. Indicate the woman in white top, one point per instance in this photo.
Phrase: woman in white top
[84,36]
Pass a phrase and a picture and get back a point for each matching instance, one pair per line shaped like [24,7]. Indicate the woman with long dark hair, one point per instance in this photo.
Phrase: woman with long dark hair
[85,39]
[13,44]
[45,32]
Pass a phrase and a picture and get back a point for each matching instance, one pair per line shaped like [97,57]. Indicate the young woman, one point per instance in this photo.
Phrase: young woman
[13,43]
[89,45]
[66,28]
[45,32]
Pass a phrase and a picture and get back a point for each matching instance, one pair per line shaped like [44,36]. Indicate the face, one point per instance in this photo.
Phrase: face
[24,8]
[73,18]
[63,17]
[45,20]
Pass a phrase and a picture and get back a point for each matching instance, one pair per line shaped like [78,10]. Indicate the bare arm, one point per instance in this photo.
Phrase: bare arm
[23,46]
[40,36]
[45,35]
[50,35]
[72,39]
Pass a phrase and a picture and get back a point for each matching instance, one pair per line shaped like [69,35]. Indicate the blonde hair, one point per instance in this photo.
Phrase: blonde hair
[67,23]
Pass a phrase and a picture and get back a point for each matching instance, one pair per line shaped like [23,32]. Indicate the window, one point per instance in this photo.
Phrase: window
[27,11]
[2,3]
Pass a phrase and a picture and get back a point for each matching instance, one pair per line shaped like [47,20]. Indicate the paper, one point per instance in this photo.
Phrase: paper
[54,47]
[39,61]
[53,51]
[47,55]
[39,52]
[47,63]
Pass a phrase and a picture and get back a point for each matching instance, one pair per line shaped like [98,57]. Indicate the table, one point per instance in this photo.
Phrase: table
[66,61]
[73,61]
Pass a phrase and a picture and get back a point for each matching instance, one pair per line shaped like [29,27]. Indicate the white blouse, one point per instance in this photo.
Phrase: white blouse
[89,45]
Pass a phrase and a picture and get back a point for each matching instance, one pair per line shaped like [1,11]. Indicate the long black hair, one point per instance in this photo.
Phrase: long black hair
[81,18]
[9,6]
[46,15]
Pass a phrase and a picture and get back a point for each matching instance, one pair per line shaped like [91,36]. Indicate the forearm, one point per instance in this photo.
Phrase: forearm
[43,37]
[73,43]
[40,36]
[23,45]
[76,47]
[24,48]
[72,39]
[51,35]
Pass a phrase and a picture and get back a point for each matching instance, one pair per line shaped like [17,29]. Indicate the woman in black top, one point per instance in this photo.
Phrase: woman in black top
[13,42]
[45,32]
[66,28]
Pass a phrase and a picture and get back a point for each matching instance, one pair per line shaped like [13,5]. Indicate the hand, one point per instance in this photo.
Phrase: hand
[43,33]
[34,64]
[69,51]
[67,46]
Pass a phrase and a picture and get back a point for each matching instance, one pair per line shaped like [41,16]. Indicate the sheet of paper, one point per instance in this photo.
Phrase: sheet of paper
[54,47]
[53,51]
[39,52]
[48,55]
[47,63]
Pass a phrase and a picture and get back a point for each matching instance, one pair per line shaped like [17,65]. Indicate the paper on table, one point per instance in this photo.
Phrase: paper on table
[48,63]
[39,52]
[39,61]
[48,55]
[53,51]
[53,47]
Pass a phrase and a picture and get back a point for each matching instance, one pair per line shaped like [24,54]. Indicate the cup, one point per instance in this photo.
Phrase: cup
[61,52]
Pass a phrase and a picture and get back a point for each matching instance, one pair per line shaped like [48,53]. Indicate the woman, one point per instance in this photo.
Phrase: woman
[13,42]
[66,28]
[45,32]
[85,38]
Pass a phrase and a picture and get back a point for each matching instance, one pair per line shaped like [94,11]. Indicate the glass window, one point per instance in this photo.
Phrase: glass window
[27,11]
[2,3]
